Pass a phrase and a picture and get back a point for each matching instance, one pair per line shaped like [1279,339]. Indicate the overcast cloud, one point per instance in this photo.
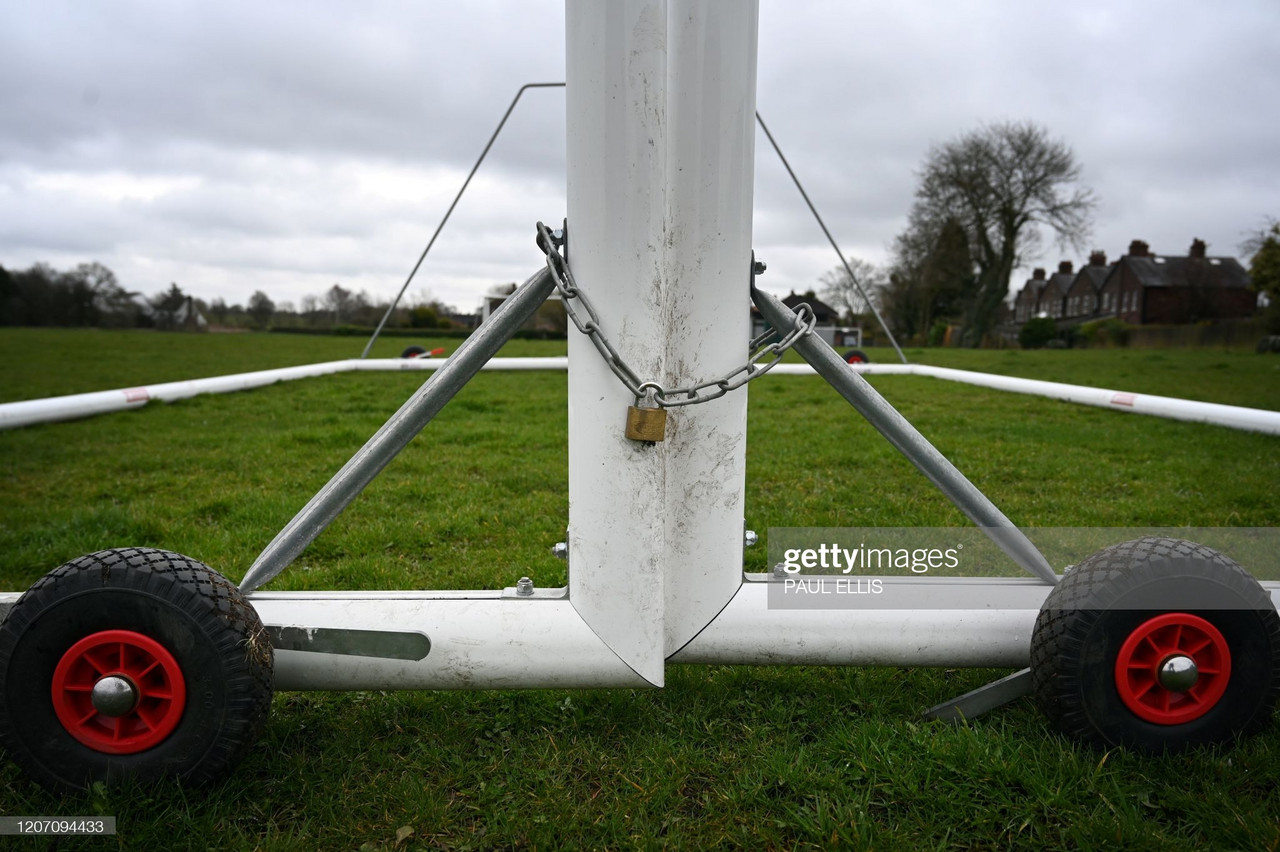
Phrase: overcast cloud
[288,146]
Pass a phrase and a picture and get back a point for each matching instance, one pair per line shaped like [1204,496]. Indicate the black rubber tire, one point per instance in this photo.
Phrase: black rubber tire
[199,617]
[856,356]
[413,352]
[1102,601]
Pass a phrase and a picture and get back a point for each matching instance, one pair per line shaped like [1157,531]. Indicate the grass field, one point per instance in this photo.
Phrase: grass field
[760,758]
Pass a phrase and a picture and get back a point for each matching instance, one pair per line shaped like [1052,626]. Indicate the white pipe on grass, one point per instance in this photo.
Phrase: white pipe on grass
[74,406]
[32,411]
[1231,416]
[382,365]
[28,412]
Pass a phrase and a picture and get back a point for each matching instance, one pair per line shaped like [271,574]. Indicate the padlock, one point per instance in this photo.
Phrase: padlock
[646,424]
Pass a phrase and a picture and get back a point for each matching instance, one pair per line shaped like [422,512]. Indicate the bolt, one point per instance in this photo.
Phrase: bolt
[750,539]
[758,267]
[560,550]
[524,588]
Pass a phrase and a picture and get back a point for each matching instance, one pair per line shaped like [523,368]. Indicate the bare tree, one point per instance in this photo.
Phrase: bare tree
[841,291]
[218,310]
[112,303]
[1254,240]
[1002,183]
[338,302]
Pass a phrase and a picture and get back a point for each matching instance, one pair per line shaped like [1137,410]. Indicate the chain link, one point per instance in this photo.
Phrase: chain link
[764,354]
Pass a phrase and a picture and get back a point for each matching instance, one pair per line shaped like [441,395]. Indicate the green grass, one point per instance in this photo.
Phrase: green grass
[52,362]
[759,758]
[1227,376]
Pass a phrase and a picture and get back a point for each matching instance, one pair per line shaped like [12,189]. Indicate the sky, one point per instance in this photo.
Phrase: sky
[238,146]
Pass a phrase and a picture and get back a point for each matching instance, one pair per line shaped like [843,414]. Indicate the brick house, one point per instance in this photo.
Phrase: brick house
[1084,300]
[1027,302]
[1053,297]
[1146,288]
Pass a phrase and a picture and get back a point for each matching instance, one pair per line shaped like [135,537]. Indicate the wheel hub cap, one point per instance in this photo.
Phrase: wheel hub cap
[113,696]
[1178,673]
[118,692]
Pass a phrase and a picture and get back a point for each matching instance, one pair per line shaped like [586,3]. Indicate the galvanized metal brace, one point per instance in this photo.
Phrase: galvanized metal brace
[397,432]
[908,440]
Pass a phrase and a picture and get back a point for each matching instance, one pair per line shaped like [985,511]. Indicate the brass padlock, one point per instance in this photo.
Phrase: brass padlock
[646,424]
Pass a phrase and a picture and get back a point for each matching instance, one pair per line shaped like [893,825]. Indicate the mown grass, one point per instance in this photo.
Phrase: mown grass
[1227,376]
[52,362]
[723,757]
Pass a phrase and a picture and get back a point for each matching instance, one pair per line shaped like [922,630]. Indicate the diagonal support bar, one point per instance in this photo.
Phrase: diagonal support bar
[908,440]
[830,239]
[412,272]
[397,432]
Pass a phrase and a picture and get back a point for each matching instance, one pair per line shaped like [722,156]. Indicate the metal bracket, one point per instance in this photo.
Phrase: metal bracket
[983,699]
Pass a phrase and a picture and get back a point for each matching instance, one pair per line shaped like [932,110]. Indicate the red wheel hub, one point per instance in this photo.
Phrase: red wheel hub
[1155,657]
[118,692]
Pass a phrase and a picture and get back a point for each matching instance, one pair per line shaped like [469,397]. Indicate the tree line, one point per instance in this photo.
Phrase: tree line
[91,295]
[984,201]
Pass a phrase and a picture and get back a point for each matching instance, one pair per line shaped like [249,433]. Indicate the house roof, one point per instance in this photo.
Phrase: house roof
[189,314]
[1092,276]
[821,310]
[1187,271]
[1031,290]
[1095,274]
[1059,281]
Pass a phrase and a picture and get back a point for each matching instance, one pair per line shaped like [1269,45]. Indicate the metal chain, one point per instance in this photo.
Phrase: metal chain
[761,349]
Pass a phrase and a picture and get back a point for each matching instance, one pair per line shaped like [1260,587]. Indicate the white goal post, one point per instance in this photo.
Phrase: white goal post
[661,161]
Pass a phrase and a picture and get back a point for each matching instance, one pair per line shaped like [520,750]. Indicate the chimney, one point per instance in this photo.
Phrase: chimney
[1064,268]
[1037,274]
[1138,248]
[1198,248]
[1098,258]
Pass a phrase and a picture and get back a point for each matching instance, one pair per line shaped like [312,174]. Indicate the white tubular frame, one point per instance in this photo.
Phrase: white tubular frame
[934,621]
[479,640]
[1170,408]
[500,640]
[31,411]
